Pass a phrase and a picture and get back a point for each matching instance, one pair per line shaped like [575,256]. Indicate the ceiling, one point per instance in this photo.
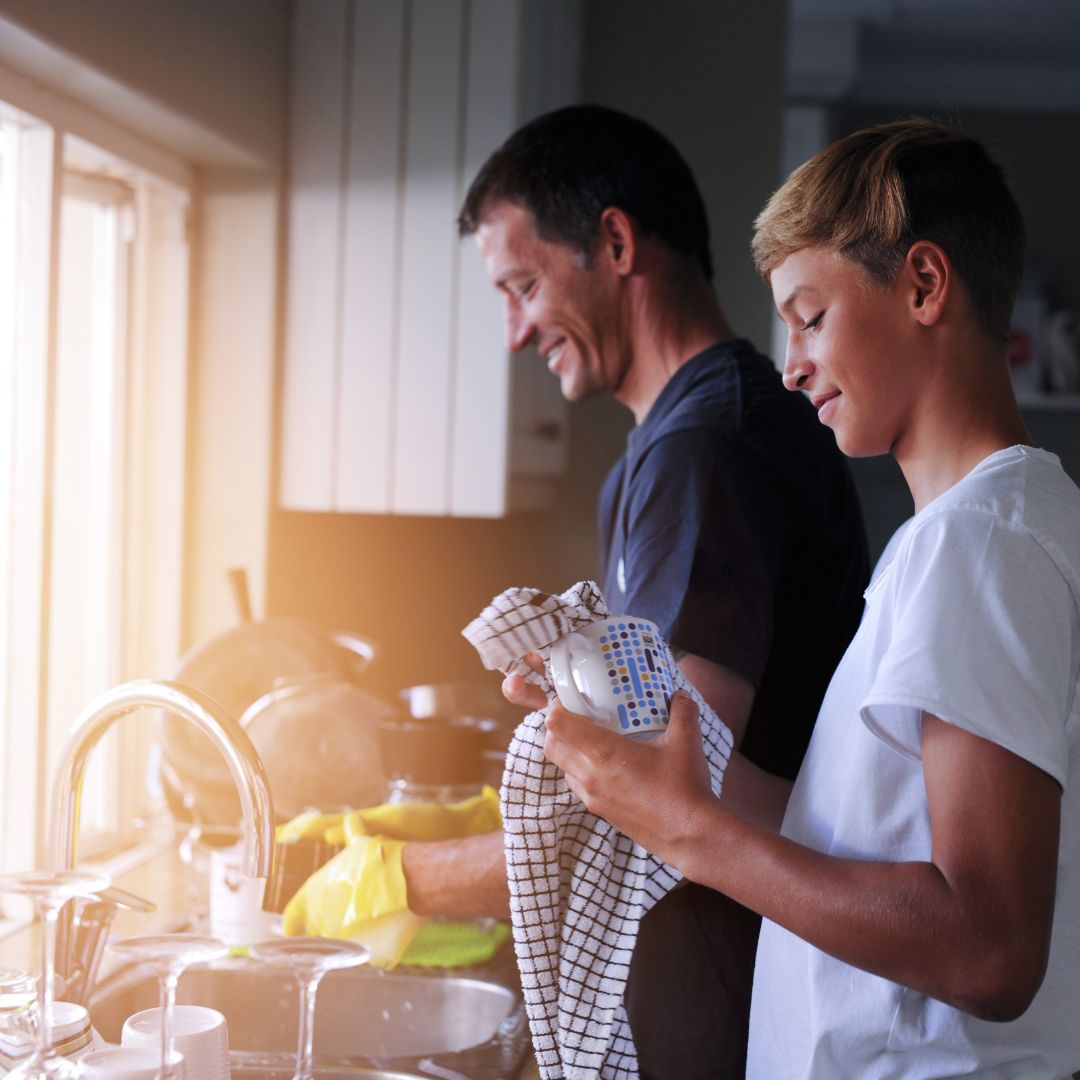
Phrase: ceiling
[1022,54]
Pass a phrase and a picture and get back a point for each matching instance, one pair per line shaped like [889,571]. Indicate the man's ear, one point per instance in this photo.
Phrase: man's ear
[928,272]
[618,240]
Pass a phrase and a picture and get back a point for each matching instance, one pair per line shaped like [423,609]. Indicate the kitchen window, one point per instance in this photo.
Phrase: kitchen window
[94,256]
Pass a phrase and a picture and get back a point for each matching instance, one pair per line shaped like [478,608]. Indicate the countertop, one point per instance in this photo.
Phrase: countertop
[175,889]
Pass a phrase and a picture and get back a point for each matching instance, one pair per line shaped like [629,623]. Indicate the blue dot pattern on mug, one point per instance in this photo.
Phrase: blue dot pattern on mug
[638,673]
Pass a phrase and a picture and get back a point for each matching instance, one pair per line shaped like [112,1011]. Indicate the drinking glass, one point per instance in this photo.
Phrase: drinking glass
[309,958]
[50,890]
[169,955]
[18,998]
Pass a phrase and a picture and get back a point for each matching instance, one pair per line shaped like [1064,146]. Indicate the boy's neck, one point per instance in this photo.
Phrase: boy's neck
[964,417]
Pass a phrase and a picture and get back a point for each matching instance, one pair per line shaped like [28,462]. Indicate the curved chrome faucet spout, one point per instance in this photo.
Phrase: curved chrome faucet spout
[77,949]
[207,715]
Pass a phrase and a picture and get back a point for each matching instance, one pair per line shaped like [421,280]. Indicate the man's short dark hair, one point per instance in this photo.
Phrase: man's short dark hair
[568,166]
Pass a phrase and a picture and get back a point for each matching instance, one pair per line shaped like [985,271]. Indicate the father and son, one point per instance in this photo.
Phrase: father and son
[902,815]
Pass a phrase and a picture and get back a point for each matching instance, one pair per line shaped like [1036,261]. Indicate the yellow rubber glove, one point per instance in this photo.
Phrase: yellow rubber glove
[360,895]
[310,825]
[423,820]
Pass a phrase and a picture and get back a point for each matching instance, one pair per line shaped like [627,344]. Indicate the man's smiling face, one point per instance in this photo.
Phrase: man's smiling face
[569,310]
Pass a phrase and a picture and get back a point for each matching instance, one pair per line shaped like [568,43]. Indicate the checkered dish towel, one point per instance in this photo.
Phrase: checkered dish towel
[578,887]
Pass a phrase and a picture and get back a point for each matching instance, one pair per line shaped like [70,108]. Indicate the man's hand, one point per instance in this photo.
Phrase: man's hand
[651,791]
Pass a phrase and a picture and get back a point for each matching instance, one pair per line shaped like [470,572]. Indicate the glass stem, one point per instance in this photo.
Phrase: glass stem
[309,985]
[48,910]
[168,1004]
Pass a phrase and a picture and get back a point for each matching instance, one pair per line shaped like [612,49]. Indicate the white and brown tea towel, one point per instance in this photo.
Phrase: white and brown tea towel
[578,887]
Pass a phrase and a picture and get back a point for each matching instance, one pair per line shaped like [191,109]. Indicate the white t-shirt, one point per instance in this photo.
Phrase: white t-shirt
[973,615]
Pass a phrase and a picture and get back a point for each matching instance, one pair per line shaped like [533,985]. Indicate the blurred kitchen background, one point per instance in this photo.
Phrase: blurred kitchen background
[238,330]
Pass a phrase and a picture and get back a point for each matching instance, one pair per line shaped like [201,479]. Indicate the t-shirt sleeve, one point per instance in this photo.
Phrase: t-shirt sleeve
[983,637]
[700,559]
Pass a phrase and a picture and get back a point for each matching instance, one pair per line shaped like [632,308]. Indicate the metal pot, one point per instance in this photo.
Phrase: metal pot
[237,669]
[469,703]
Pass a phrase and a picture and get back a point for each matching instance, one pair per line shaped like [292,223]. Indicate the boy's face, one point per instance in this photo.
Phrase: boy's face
[568,310]
[847,347]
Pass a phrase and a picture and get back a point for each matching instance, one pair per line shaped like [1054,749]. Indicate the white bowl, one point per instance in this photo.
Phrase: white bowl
[199,1033]
[125,1063]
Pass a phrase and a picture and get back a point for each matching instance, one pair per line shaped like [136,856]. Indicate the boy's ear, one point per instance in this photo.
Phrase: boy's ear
[618,239]
[929,275]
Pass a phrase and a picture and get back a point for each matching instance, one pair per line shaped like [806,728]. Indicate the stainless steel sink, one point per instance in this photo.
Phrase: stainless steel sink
[368,1023]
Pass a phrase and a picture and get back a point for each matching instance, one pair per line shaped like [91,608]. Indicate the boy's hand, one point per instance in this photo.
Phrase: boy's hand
[519,692]
[651,791]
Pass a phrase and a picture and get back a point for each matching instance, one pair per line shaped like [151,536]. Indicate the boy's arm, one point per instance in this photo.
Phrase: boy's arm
[466,878]
[970,927]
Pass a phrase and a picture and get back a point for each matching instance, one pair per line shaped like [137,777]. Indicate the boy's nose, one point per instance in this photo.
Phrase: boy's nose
[797,370]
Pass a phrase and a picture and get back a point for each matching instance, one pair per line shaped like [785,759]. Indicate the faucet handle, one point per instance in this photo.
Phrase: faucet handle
[89,930]
[121,898]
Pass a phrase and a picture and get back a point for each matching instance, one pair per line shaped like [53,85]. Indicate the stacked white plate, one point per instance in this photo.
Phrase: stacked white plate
[199,1033]
[125,1063]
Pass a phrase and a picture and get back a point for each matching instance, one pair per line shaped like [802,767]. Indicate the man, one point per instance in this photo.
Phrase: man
[919,881]
[730,521]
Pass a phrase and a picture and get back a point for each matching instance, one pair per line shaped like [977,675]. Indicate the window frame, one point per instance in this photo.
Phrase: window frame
[57,134]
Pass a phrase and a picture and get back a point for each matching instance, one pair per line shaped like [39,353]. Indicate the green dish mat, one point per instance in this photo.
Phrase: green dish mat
[454,944]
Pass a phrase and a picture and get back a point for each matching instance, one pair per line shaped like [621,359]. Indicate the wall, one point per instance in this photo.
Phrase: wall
[175,70]
[706,74]
[709,76]
[208,82]
[1041,155]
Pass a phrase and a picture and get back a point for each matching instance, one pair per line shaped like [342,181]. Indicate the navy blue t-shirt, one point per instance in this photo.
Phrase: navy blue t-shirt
[731,521]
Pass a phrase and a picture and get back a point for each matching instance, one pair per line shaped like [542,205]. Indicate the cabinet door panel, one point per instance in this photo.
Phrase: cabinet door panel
[428,260]
[314,238]
[370,266]
[478,478]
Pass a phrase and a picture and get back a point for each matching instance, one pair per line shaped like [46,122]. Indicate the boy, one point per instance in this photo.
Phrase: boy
[919,881]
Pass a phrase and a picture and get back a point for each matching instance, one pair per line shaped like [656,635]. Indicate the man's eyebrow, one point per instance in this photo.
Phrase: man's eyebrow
[509,275]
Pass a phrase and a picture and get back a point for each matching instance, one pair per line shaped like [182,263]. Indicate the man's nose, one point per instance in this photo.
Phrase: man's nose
[519,328]
[797,368]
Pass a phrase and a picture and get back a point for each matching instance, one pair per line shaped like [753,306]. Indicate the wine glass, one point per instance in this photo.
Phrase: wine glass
[170,955]
[50,890]
[309,958]
[18,997]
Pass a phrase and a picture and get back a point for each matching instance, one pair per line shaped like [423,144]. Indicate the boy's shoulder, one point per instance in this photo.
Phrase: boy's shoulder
[1021,492]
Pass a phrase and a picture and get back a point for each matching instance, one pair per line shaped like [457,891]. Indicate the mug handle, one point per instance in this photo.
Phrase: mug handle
[561,662]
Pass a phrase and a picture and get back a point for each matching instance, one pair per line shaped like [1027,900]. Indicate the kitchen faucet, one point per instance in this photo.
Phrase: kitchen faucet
[225,732]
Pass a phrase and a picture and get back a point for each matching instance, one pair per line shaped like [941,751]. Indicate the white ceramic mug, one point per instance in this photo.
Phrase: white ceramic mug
[618,672]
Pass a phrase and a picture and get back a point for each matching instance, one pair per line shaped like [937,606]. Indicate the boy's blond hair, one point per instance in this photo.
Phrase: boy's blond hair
[872,194]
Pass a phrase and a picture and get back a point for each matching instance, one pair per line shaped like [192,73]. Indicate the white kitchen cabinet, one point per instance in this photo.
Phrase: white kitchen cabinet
[399,394]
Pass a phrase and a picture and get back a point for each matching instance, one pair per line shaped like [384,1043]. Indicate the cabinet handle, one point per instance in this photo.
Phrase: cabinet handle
[550,430]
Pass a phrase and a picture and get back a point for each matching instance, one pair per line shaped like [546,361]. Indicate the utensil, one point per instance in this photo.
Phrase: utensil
[50,890]
[125,1063]
[169,955]
[237,668]
[310,959]
[200,1035]
[318,740]
[617,672]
